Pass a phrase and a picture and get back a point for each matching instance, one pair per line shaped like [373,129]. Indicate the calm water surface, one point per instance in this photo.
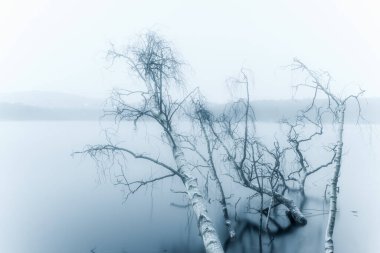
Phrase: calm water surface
[52,202]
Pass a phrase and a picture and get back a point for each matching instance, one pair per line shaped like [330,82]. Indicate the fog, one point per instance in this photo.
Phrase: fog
[189,126]
[61,46]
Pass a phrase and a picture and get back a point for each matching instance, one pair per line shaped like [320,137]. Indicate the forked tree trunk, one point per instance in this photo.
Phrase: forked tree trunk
[329,244]
[206,227]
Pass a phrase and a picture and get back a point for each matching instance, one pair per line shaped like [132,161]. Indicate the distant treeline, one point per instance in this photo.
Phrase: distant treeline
[265,110]
[276,110]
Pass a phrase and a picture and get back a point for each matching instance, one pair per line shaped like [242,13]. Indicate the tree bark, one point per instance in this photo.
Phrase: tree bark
[206,227]
[329,243]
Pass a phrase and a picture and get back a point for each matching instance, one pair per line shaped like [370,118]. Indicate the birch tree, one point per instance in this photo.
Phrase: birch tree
[234,130]
[319,82]
[301,133]
[198,116]
[159,68]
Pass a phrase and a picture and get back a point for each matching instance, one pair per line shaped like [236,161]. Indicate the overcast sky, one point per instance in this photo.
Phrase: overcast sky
[61,45]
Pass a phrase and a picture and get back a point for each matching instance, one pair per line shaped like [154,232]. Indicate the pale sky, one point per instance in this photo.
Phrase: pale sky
[61,45]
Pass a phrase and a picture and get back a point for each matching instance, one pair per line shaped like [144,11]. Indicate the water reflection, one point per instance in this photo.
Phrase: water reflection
[277,229]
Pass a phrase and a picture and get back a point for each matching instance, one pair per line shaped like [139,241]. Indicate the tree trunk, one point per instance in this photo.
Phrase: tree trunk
[206,227]
[294,211]
[219,186]
[329,244]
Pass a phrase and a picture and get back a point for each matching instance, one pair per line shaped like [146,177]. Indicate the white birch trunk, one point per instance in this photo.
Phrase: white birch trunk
[329,244]
[206,227]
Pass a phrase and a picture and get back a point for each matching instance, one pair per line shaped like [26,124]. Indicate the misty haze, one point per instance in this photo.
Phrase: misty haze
[168,126]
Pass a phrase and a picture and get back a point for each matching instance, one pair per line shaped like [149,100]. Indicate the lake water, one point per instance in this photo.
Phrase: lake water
[52,202]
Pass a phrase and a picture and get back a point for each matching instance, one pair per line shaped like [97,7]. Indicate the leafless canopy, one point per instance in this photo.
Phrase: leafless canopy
[260,167]
[158,68]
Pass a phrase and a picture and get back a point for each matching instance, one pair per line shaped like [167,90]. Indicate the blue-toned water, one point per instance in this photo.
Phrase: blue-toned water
[52,202]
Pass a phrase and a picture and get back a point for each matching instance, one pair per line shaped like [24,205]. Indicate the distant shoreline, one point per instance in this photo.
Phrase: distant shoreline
[64,107]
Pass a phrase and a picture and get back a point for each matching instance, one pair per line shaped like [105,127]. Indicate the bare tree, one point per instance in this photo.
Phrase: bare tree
[234,130]
[158,67]
[198,116]
[300,138]
[260,167]
[319,82]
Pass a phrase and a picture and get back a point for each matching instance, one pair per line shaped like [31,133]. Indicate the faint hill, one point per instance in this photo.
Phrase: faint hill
[39,105]
[49,99]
